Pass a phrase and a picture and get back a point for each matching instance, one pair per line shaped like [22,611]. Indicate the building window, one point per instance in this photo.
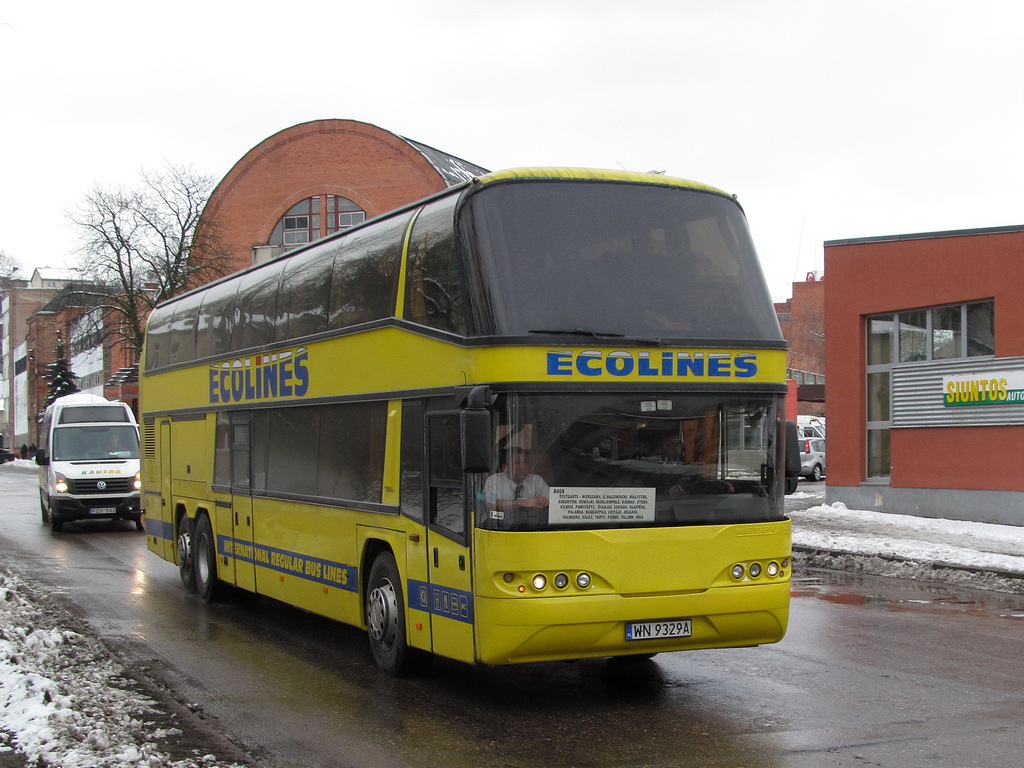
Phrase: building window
[915,336]
[315,217]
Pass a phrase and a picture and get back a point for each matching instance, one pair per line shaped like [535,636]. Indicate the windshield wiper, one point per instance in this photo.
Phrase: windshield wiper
[578,332]
[641,340]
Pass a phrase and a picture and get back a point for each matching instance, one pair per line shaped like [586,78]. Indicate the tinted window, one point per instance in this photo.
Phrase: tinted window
[434,293]
[183,329]
[630,259]
[158,338]
[256,308]
[365,276]
[412,460]
[331,451]
[293,435]
[351,458]
[305,293]
[87,413]
[216,319]
[447,481]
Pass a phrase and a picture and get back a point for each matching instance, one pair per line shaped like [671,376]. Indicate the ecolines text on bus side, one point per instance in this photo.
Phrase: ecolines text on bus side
[664,365]
[259,377]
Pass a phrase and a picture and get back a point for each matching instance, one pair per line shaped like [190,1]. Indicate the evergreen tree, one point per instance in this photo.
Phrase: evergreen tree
[59,376]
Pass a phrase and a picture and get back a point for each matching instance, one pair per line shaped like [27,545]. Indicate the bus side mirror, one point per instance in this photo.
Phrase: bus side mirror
[792,456]
[41,458]
[475,422]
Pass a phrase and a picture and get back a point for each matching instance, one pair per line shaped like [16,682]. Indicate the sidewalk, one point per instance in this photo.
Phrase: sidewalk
[978,555]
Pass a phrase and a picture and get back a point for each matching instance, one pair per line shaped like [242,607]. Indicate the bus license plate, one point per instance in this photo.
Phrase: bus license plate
[656,630]
[102,510]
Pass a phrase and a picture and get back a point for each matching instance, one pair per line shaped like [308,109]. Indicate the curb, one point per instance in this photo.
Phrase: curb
[928,570]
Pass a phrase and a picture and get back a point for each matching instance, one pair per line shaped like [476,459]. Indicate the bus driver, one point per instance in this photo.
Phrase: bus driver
[515,487]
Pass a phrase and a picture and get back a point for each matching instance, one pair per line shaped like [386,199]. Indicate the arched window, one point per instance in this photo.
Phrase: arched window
[315,217]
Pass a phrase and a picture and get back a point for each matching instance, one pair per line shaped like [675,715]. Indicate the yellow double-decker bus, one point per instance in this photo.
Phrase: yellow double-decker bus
[537,416]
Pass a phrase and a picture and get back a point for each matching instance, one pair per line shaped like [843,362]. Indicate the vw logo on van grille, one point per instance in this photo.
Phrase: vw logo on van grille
[101,485]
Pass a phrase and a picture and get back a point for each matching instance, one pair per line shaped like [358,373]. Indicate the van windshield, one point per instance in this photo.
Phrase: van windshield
[95,443]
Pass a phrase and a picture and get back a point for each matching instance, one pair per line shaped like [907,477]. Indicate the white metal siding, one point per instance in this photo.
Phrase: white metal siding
[917,395]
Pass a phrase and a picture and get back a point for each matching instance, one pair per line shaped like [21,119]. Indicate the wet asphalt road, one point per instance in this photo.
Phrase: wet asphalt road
[873,672]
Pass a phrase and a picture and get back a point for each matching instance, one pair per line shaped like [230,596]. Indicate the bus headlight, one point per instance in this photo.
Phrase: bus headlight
[61,484]
[738,571]
[755,570]
[583,580]
[561,581]
[772,569]
[540,581]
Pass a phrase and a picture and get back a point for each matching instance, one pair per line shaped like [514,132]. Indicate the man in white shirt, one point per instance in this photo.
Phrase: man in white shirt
[515,487]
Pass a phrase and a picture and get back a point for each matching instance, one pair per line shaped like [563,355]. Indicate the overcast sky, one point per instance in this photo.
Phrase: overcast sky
[828,120]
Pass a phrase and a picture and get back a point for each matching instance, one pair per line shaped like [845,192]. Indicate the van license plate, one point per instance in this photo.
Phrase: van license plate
[656,630]
[103,510]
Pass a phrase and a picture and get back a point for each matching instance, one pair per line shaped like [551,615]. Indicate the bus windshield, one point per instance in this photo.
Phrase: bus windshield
[625,460]
[557,257]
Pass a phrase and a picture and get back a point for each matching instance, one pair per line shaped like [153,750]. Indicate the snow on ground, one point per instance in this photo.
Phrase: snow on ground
[64,702]
[979,555]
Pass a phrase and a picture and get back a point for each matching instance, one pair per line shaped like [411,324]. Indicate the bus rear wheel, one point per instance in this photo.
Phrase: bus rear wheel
[385,618]
[204,559]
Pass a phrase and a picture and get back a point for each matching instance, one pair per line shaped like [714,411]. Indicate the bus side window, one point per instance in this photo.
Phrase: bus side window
[411,490]
[447,481]
[434,290]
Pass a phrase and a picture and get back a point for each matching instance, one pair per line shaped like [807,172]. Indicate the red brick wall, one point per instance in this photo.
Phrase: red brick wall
[866,278]
[374,168]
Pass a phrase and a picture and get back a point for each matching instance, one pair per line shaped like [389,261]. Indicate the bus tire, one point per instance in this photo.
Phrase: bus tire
[204,559]
[385,617]
[185,553]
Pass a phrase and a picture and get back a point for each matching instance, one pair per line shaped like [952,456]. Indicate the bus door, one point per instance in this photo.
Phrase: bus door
[235,540]
[165,513]
[448,535]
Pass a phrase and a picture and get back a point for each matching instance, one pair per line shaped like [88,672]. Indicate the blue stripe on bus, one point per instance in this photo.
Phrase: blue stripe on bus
[161,529]
[327,572]
[446,602]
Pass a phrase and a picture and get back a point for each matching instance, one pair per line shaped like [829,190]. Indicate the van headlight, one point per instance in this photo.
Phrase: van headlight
[61,484]
[138,481]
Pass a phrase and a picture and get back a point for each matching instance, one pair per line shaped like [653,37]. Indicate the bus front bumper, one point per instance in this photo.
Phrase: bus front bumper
[531,629]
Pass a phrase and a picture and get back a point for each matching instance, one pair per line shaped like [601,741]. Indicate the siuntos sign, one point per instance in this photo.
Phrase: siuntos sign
[260,377]
[665,364]
[989,388]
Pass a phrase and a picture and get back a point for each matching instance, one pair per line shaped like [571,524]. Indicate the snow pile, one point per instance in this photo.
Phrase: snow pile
[63,701]
[981,555]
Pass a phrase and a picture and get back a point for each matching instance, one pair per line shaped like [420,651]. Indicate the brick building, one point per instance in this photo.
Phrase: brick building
[802,319]
[925,361]
[318,177]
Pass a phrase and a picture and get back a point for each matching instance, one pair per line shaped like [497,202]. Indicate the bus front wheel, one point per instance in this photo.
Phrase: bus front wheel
[204,559]
[385,617]
[186,556]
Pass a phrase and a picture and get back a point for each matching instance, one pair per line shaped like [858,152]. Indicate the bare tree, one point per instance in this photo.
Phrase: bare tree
[9,269]
[146,244]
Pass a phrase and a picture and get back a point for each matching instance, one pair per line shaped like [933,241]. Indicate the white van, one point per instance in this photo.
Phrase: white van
[89,461]
[811,426]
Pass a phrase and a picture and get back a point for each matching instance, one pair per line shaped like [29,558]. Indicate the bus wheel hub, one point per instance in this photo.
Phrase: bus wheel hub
[382,614]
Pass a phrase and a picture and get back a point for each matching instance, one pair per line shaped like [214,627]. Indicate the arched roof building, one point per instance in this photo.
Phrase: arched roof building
[314,178]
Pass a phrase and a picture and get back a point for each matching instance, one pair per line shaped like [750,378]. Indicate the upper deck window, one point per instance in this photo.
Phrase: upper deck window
[618,259]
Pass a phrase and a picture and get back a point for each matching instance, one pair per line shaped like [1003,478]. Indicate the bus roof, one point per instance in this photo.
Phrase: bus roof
[597,174]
